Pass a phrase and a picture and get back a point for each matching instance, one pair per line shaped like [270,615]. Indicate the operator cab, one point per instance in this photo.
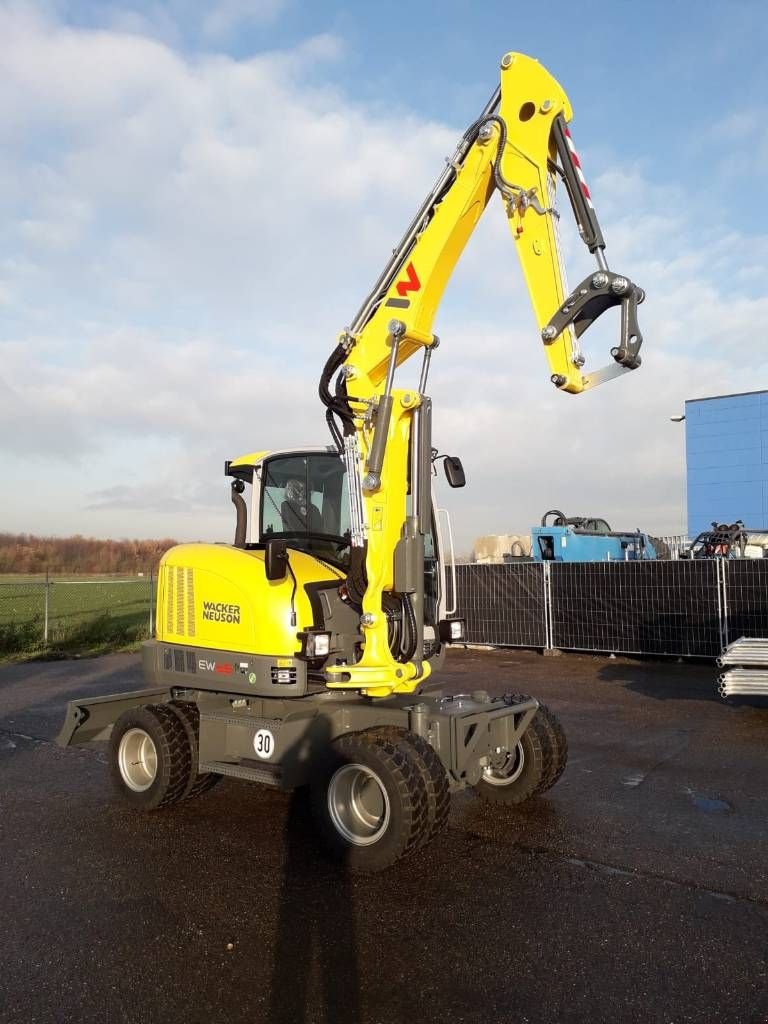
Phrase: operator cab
[301,498]
[304,501]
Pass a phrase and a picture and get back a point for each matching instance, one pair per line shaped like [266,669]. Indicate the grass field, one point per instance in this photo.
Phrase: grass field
[87,614]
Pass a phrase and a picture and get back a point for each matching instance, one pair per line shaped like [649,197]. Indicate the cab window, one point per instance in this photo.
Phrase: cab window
[304,500]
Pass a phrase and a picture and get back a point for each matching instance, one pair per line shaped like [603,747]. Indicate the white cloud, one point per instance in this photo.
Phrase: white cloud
[182,237]
[227,15]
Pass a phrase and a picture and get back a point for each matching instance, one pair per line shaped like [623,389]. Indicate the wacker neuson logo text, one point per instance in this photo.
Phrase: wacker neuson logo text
[217,611]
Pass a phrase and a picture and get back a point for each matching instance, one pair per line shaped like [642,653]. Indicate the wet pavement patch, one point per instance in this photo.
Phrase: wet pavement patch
[709,804]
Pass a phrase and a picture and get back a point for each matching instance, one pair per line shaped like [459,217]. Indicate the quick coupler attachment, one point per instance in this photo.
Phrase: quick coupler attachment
[627,353]
[601,291]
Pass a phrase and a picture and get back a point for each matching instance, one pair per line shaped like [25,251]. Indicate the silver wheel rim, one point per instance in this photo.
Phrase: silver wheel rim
[510,771]
[358,804]
[137,760]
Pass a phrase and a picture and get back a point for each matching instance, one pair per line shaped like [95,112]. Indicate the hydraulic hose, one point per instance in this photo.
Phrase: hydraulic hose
[409,616]
[357,578]
[335,406]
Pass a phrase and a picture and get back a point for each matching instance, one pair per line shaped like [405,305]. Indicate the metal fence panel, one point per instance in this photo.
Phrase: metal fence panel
[746,598]
[88,613]
[637,607]
[679,607]
[82,607]
[503,604]
[22,615]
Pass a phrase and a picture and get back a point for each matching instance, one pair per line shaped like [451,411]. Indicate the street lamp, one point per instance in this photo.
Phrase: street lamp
[678,418]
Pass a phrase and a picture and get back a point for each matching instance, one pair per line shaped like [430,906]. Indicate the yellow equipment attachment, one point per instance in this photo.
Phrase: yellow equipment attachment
[519,146]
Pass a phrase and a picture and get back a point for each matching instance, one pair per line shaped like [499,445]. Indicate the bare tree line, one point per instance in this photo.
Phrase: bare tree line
[26,553]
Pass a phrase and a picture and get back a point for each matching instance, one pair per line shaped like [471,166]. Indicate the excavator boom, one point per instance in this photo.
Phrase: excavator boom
[520,146]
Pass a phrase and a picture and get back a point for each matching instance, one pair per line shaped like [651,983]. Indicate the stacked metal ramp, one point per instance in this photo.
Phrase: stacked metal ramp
[749,676]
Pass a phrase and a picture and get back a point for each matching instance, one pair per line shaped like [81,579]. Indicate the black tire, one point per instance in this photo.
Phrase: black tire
[369,800]
[435,780]
[203,783]
[524,772]
[558,742]
[150,768]
[198,783]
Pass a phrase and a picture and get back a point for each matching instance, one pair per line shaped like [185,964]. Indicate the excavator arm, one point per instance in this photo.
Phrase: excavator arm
[520,146]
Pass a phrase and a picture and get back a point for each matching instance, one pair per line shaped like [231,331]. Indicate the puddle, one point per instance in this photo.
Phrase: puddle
[709,804]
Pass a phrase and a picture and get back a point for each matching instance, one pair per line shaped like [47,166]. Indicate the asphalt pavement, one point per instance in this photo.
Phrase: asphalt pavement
[636,890]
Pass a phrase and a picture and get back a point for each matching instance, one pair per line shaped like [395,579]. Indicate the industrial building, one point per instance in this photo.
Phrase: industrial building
[726,440]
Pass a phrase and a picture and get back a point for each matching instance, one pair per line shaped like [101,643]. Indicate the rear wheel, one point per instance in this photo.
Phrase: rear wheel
[198,783]
[369,800]
[514,776]
[150,757]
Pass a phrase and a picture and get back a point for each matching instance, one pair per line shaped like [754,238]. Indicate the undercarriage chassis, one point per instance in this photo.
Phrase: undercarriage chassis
[278,741]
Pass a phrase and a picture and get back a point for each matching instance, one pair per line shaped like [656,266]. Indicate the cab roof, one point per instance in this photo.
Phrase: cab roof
[243,467]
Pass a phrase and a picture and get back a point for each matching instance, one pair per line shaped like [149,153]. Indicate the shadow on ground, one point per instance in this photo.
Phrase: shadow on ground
[664,680]
[316,943]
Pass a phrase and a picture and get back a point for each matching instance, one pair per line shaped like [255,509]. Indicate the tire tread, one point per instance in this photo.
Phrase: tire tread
[434,776]
[198,783]
[174,755]
[398,762]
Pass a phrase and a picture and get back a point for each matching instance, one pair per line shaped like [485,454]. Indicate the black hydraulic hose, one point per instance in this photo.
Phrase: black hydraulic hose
[342,401]
[332,364]
[357,578]
[410,617]
[338,440]
[504,186]
[393,626]
[335,406]
[559,519]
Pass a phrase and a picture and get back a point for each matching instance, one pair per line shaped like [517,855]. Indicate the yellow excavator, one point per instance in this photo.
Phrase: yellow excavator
[305,652]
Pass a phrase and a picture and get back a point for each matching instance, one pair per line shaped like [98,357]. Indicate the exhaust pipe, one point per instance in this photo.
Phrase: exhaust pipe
[241,525]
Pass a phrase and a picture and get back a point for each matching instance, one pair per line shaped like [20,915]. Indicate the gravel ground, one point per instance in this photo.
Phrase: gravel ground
[636,890]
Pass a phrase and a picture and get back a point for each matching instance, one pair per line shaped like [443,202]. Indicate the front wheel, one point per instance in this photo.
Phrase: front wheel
[558,742]
[514,776]
[369,801]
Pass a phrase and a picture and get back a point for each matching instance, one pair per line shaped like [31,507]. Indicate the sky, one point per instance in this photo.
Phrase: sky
[196,197]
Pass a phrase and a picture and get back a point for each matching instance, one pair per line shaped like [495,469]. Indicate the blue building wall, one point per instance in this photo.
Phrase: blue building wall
[726,441]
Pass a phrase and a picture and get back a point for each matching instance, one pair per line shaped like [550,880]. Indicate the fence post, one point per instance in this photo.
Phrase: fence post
[722,600]
[45,621]
[151,603]
[547,605]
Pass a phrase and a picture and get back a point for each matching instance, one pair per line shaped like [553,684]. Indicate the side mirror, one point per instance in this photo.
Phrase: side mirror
[275,559]
[454,471]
